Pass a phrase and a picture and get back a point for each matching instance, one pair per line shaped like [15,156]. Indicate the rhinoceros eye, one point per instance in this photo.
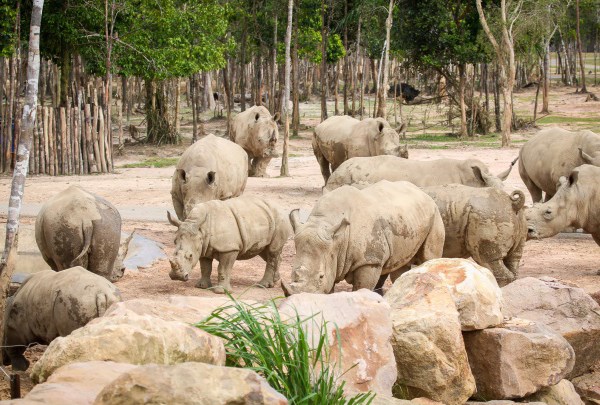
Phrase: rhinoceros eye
[548,213]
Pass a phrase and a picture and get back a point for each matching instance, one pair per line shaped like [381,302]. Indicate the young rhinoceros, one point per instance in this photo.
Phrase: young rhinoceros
[78,228]
[576,203]
[236,229]
[484,223]
[364,235]
[51,304]
[256,131]
[210,169]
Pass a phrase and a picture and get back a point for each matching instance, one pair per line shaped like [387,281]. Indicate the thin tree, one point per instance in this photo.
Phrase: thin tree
[581,63]
[324,41]
[286,92]
[382,91]
[505,55]
[22,164]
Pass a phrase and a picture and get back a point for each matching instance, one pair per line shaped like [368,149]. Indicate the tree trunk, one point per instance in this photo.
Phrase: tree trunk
[463,107]
[382,91]
[355,70]
[15,202]
[295,80]
[546,86]
[274,69]
[323,63]
[581,62]
[243,67]
[286,92]
[228,96]
[65,73]
[346,61]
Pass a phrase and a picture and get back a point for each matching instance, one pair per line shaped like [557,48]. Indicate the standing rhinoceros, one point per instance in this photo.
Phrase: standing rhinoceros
[340,138]
[50,304]
[256,131]
[362,171]
[210,169]
[484,223]
[236,229]
[78,228]
[576,203]
[364,235]
[552,153]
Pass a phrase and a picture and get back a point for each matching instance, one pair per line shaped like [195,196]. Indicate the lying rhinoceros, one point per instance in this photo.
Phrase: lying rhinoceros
[236,229]
[362,171]
[361,236]
[552,153]
[77,228]
[340,138]
[50,304]
[211,169]
[256,131]
[484,223]
[576,203]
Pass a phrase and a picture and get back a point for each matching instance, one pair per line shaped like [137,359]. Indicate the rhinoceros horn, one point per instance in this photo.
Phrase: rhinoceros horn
[585,157]
[295,219]
[504,175]
[174,221]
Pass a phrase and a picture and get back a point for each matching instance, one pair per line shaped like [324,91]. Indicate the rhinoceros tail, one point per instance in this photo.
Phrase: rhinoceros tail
[517,200]
[87,241]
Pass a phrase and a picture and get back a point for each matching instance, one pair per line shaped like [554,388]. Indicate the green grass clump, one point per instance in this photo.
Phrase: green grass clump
[257,338]
[555,119]
[153,162]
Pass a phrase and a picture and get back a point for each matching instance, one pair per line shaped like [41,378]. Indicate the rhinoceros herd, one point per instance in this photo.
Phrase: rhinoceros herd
[379,214]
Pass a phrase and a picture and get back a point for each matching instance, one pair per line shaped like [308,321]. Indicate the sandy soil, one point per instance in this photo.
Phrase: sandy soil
[572,257]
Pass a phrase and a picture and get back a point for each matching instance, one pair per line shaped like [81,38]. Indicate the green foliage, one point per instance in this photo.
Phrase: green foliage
[153,162]
[8,14]
[256,337]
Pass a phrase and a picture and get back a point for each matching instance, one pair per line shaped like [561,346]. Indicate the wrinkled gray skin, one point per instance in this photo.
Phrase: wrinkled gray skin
[576,203]
[77,228]
[486,224]
[212,168]
[236,229]
[51,304]
[340,138]
[256,131]
[362,236]
[553,153]
[362,171]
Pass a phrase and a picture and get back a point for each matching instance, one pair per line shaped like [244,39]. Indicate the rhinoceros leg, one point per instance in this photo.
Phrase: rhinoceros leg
[271,275]
[17,360]
[433,245]
[502,274]
[205,270]
[596,238]
[226,261]
[260,166]
[393,277]
[366,277]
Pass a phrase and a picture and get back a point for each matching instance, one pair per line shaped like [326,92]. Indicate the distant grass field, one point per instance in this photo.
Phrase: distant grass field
[153,162]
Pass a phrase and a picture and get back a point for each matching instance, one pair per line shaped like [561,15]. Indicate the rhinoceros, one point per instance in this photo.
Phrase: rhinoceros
[50,304]
[362,236]
[78,228]
[236,229]
[340,138]
[484,223]
[362,171]
[576,203]
[552,153]
[255,130]
[210,169]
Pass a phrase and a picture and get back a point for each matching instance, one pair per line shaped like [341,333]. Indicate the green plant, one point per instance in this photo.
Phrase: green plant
[256,337]
[153,162]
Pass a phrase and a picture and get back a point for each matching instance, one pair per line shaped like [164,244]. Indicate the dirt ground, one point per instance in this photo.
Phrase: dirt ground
[572,257]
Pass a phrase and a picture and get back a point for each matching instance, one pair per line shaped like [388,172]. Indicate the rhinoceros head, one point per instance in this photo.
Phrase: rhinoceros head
[188,245]
[547,219]
[386,139]
[198,185]
[265,132]
[119,266]
[485,179]
[317,248]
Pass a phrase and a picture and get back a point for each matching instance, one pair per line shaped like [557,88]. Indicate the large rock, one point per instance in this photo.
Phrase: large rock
[502,402]
[135,339]
[588,387]
[562,393]
[517,358]
[77,383]
[474,289]
[384,400]
[427,340]
[564,308]
[360,321]
[189,384]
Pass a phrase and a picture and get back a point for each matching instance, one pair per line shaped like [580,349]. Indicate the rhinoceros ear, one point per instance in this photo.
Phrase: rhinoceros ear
[276,117]
[256,117]
[585,157]
[211,177]
[573,177]
[478,174]
[338,228]
[295,220]
[174,221]
[181,174]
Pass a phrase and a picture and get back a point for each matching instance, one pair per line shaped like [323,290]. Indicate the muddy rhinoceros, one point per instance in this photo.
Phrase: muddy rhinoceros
[576,203]
[552,153]
[236,229]
[362,236]
[256,131]
[484,223]
[210,169]
[362,171]
[340,138]
[78,228]
[50,304]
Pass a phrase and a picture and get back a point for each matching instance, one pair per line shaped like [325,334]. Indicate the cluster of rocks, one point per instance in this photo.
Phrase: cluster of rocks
[445,333]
